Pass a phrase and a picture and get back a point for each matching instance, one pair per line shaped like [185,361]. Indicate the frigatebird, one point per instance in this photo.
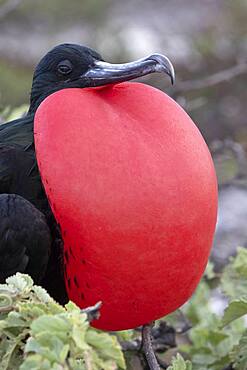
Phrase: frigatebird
[30,239]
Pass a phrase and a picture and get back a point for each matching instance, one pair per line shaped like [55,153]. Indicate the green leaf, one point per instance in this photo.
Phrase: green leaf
[9,359]
[50,347]
[55,325]
[239,354]
[210,344]
[78,332]
[36,362]
[233,280]
[201,334]
[107,346]
[221,363]
[15,320]
[235,310]
[240,262]
[203,356]
[178,363]
[71,306]
[42,294]
[209,272]
[21,282]
[6,303]
[43,346]
[197,309]
[30,310]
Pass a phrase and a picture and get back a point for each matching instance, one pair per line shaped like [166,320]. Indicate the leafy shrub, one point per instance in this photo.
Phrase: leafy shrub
[38,333]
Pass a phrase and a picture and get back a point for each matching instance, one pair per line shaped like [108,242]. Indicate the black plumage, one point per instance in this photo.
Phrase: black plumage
[24,249]
[30,239]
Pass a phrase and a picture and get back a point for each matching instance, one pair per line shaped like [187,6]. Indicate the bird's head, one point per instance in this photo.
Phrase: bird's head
[71,66]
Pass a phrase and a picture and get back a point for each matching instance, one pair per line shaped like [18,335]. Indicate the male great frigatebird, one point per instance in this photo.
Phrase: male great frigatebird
[30,239]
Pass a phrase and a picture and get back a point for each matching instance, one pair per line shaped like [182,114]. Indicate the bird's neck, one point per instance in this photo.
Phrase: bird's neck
[40,90]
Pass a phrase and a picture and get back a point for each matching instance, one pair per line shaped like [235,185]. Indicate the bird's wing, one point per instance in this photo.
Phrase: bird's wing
[19,131]
[16,159]
[19,174]
[25,239]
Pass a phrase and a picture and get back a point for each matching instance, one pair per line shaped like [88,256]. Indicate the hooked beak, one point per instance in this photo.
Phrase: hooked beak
[103,73]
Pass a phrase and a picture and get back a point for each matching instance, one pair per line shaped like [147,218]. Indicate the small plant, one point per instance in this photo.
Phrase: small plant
[217,341]
[37,333]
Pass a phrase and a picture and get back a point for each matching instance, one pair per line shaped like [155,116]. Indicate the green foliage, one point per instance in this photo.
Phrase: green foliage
[236,308]
[215,341]
[37,333]
[239,353]
[178,363]
[234,278]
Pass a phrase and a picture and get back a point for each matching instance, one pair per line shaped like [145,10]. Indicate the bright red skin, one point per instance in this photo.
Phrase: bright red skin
[132,184]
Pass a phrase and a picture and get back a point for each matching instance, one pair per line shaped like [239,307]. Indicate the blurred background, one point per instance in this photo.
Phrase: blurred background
[207,43]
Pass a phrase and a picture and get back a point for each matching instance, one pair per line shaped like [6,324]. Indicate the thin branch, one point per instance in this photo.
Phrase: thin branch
[212,80]
[147,347]
[8,7]
[163,335]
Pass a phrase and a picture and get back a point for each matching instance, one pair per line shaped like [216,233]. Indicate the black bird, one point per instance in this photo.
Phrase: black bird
[30,239]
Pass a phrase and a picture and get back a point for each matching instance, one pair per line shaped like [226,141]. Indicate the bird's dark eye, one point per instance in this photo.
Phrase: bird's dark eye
[64,67]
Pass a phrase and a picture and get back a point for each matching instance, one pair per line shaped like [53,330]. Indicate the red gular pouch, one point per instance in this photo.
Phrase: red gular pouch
[132,184]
